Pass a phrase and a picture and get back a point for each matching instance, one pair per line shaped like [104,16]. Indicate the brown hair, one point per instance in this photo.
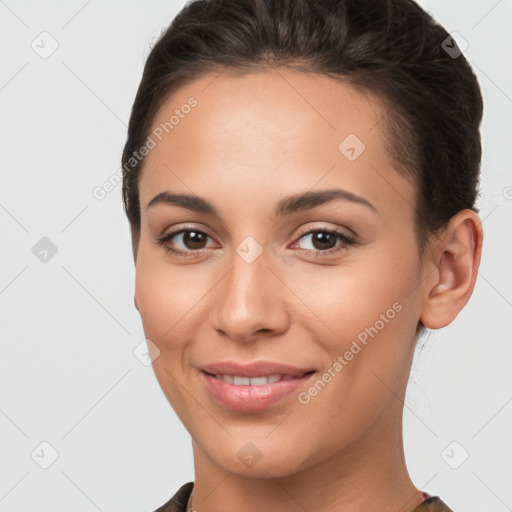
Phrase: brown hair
[391,48]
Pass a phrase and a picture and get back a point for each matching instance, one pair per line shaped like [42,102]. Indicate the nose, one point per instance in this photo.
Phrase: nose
[251,302]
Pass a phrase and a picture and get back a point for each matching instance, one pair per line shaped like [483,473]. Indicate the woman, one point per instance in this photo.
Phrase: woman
[300,181]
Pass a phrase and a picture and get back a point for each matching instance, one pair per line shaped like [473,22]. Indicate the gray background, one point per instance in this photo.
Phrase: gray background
[68,374]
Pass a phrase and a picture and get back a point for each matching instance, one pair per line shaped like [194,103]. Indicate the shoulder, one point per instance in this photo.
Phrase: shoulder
[433,504]
[179,501]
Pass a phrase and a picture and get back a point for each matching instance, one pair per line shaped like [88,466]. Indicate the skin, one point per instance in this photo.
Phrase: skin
[251,141]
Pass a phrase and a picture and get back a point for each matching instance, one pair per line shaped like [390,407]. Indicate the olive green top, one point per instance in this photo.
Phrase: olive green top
[179,501]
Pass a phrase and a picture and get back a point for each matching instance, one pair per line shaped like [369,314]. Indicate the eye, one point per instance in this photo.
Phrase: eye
[323,241]
[191,240]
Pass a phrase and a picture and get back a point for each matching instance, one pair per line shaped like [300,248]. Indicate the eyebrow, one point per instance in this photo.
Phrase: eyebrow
[288,205]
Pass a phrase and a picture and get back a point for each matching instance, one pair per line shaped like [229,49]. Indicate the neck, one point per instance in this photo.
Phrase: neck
[370,474]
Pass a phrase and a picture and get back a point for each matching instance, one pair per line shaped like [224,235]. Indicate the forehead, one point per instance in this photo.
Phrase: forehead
[269,130]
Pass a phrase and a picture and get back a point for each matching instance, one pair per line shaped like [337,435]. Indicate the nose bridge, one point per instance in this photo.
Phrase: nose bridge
[249,298]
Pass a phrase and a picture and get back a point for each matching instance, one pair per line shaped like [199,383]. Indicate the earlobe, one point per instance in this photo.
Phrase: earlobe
[458,259]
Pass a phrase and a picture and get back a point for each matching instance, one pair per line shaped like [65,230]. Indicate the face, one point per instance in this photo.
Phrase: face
[329,283]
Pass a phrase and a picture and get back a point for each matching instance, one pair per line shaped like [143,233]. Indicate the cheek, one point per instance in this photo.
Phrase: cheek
[352,298]
[372,317]
[163,297]
[172,301]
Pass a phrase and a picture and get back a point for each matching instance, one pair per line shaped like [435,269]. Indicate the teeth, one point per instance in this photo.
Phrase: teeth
[253,381]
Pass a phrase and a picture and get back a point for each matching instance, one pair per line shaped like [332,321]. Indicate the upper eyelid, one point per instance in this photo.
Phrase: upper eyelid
[338,229]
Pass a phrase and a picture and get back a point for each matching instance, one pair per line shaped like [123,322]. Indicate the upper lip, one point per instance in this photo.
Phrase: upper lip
[254,369]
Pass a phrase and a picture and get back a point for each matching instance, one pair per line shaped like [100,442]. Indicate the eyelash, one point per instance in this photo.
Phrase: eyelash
[348,241]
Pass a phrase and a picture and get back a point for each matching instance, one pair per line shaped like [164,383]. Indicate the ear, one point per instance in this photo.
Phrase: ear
[457,257]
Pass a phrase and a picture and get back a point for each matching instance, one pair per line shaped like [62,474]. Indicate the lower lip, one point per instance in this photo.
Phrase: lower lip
[251,398]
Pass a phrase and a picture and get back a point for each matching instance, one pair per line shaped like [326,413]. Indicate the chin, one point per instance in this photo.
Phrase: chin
[261,458]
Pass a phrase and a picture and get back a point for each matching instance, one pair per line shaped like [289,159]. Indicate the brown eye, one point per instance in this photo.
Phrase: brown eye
[185,242]
[194,239]
[324,241]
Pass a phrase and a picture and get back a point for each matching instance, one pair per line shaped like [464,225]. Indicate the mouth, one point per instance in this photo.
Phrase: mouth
[263,380]
[251,394]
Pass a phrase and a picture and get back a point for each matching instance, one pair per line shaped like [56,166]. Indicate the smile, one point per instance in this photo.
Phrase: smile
[254,381]
[249,394]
